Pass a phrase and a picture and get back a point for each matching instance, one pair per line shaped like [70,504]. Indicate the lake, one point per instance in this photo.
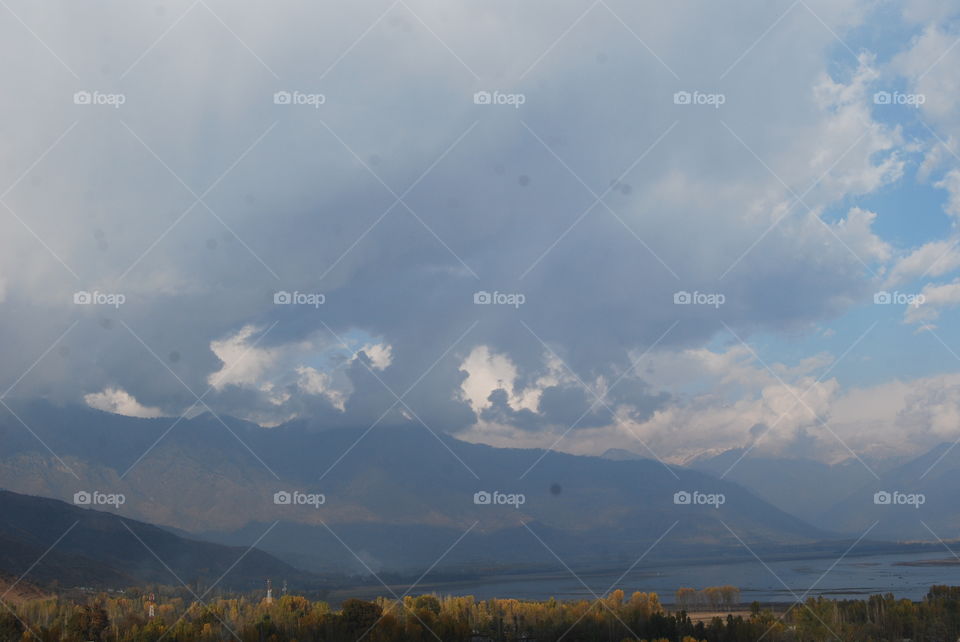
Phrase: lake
[777,581]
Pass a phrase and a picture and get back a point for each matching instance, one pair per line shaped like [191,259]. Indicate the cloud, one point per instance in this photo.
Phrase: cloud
[313,382]
[726,399]
[120,402]
[935,258]
[380,355]
[486,373]
[935,299]
[573,406]
[280,382]
[951,183]
[243,363]
[757,200]
[927,65]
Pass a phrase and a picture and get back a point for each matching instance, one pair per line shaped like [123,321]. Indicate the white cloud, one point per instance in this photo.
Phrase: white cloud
[934,156]
[856,232]
[243,362]
[891,418]
[314,382]
[844,165]
[935,258]
[951,183]
[928,64]
[280,376]
[936,298]
[118,401]
[380,355]
[486,372]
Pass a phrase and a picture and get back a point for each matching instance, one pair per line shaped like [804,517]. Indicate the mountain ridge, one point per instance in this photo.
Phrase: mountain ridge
[52,541]
[401,494]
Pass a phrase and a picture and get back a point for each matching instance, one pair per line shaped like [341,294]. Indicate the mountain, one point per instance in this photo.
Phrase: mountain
[935,475]
[75,546]
[14,591]
[621,454]
[396,498]
[803,487]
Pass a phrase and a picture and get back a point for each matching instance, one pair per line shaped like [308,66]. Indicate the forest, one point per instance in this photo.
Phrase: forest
[138,616]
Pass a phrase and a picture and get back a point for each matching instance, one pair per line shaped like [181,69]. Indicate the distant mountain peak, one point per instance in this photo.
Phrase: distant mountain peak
[621,454]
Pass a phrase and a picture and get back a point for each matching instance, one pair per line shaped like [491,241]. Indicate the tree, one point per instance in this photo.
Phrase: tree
[428,603]
[359,616]
[10,626]
[686,597]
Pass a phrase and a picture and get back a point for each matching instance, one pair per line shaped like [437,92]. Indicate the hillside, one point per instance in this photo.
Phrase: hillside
[85,547]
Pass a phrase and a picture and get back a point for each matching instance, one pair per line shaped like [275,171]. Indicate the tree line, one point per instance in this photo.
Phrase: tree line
[614,618]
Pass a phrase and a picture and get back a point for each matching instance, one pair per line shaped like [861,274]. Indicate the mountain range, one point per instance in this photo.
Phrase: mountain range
[399,499]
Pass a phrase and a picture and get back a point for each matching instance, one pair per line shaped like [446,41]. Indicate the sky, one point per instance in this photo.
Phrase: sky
[671,228]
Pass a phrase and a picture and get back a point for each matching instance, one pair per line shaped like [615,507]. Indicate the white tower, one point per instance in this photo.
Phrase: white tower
[269,599]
